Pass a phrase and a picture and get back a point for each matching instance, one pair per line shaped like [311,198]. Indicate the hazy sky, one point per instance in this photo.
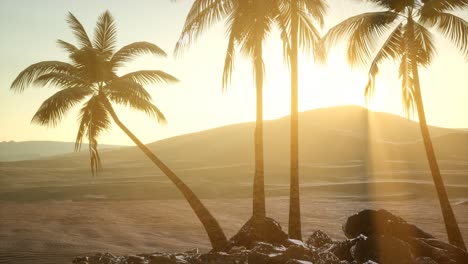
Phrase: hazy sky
[30,30]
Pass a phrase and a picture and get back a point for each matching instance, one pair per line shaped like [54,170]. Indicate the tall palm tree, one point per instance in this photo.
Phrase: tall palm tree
[410,42]
[91,77]
[298,31]
[248,22]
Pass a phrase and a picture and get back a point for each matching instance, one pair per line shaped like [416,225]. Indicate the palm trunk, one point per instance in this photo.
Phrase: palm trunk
[215,233]
[451,225]
[294,198]
[259,212]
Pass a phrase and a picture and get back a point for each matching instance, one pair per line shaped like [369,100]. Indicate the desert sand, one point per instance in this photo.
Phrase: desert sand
[54,232]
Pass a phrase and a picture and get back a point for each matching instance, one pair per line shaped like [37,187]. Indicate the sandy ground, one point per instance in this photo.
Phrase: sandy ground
[54,232]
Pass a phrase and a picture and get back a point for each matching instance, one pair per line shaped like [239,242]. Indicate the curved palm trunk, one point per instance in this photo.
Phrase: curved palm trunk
[258,207]
[294,229]
[451,224]
[215,233]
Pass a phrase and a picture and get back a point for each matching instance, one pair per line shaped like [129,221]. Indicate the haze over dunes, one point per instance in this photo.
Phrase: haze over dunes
[27,150]
[342,148]
[351,159]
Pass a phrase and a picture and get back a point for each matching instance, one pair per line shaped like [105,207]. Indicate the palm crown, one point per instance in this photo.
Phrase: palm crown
[91,78]
[410,41]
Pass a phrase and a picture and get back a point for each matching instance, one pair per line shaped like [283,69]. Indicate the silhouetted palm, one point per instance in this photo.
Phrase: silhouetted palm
[91,77]
[296,23]
[411,44]
[248,22]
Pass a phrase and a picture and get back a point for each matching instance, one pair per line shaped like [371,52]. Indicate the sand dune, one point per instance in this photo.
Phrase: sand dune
[52,209]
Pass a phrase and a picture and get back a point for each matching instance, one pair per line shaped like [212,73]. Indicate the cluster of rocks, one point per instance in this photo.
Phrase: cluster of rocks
[373,237]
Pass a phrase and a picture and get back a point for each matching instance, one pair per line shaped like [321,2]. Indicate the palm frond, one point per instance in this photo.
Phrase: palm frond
[145,77]
[52,110]
[443,6]
[451,26]
[105,34]
[317,8]
[407,84]
[28,75]
[62,80]
[94,119]
[424,44]
[132,50]
[134,96]
[79,31]
[394,5]
[229,63]
[203,13]
[362,31]
[309,36]
[389,50]
[70,48]
[124,87]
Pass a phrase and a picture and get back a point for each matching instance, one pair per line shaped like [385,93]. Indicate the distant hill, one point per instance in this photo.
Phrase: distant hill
[27,150]
[342,151]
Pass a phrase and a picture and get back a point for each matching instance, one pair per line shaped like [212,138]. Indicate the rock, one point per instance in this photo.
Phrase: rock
[136,260]
[266,248]
[382,249]
[424,260]
[270,232]
[295,261]
[223,258]
[438,251]
[257,258]
[160,259]
[297,252]
[318,239]
[327,258]
[381,222]
[342,249]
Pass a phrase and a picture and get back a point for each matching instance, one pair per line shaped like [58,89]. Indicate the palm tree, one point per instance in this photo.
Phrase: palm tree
[298,30]
[411,44]
[248,22]
[91,77]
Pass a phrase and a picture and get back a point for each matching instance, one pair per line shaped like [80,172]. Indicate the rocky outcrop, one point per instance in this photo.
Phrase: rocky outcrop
[373,237]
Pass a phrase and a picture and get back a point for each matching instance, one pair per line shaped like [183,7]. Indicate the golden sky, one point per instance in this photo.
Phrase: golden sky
[30,29]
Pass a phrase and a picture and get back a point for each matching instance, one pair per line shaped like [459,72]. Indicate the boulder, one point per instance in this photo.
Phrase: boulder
[319,239]
[382,249]
[342,249]
[269,231]
[438,251]
[381,222]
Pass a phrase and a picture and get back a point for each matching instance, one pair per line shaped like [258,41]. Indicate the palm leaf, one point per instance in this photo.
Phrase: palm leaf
[130,51]
[62,80]
[394,5]
[443,5]
[105,34]
[145,77]
[116,89]
[203,13]
[424,44]
[389,50]
[362,31]
[451,26]
[28,75]
[79,31]
[70,48]
[52,110]
[94,119]
[317,8]
[407,85]
[132,96]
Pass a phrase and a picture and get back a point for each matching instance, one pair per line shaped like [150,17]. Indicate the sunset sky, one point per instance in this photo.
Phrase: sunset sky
[30,29]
